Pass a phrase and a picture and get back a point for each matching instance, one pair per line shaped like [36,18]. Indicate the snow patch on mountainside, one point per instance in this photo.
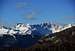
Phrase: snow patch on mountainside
[23,29]
[58,28]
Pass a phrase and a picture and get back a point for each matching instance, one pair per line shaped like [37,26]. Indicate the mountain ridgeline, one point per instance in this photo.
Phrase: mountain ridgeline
[25,35]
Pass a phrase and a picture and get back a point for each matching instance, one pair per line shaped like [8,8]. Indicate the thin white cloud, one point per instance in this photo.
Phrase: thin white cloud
[30,15]
[21,5]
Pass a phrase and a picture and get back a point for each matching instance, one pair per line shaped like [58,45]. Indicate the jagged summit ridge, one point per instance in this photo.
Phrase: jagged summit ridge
[41,29]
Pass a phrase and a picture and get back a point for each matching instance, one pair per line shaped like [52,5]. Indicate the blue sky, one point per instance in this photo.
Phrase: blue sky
[36,11]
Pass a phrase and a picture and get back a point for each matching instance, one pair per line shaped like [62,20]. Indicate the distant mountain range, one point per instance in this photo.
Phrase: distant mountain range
[25,35]
[39,29]
[63,40]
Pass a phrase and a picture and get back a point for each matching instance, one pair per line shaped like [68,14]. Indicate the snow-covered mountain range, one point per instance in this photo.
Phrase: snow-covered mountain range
[25,35]
[38,29]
